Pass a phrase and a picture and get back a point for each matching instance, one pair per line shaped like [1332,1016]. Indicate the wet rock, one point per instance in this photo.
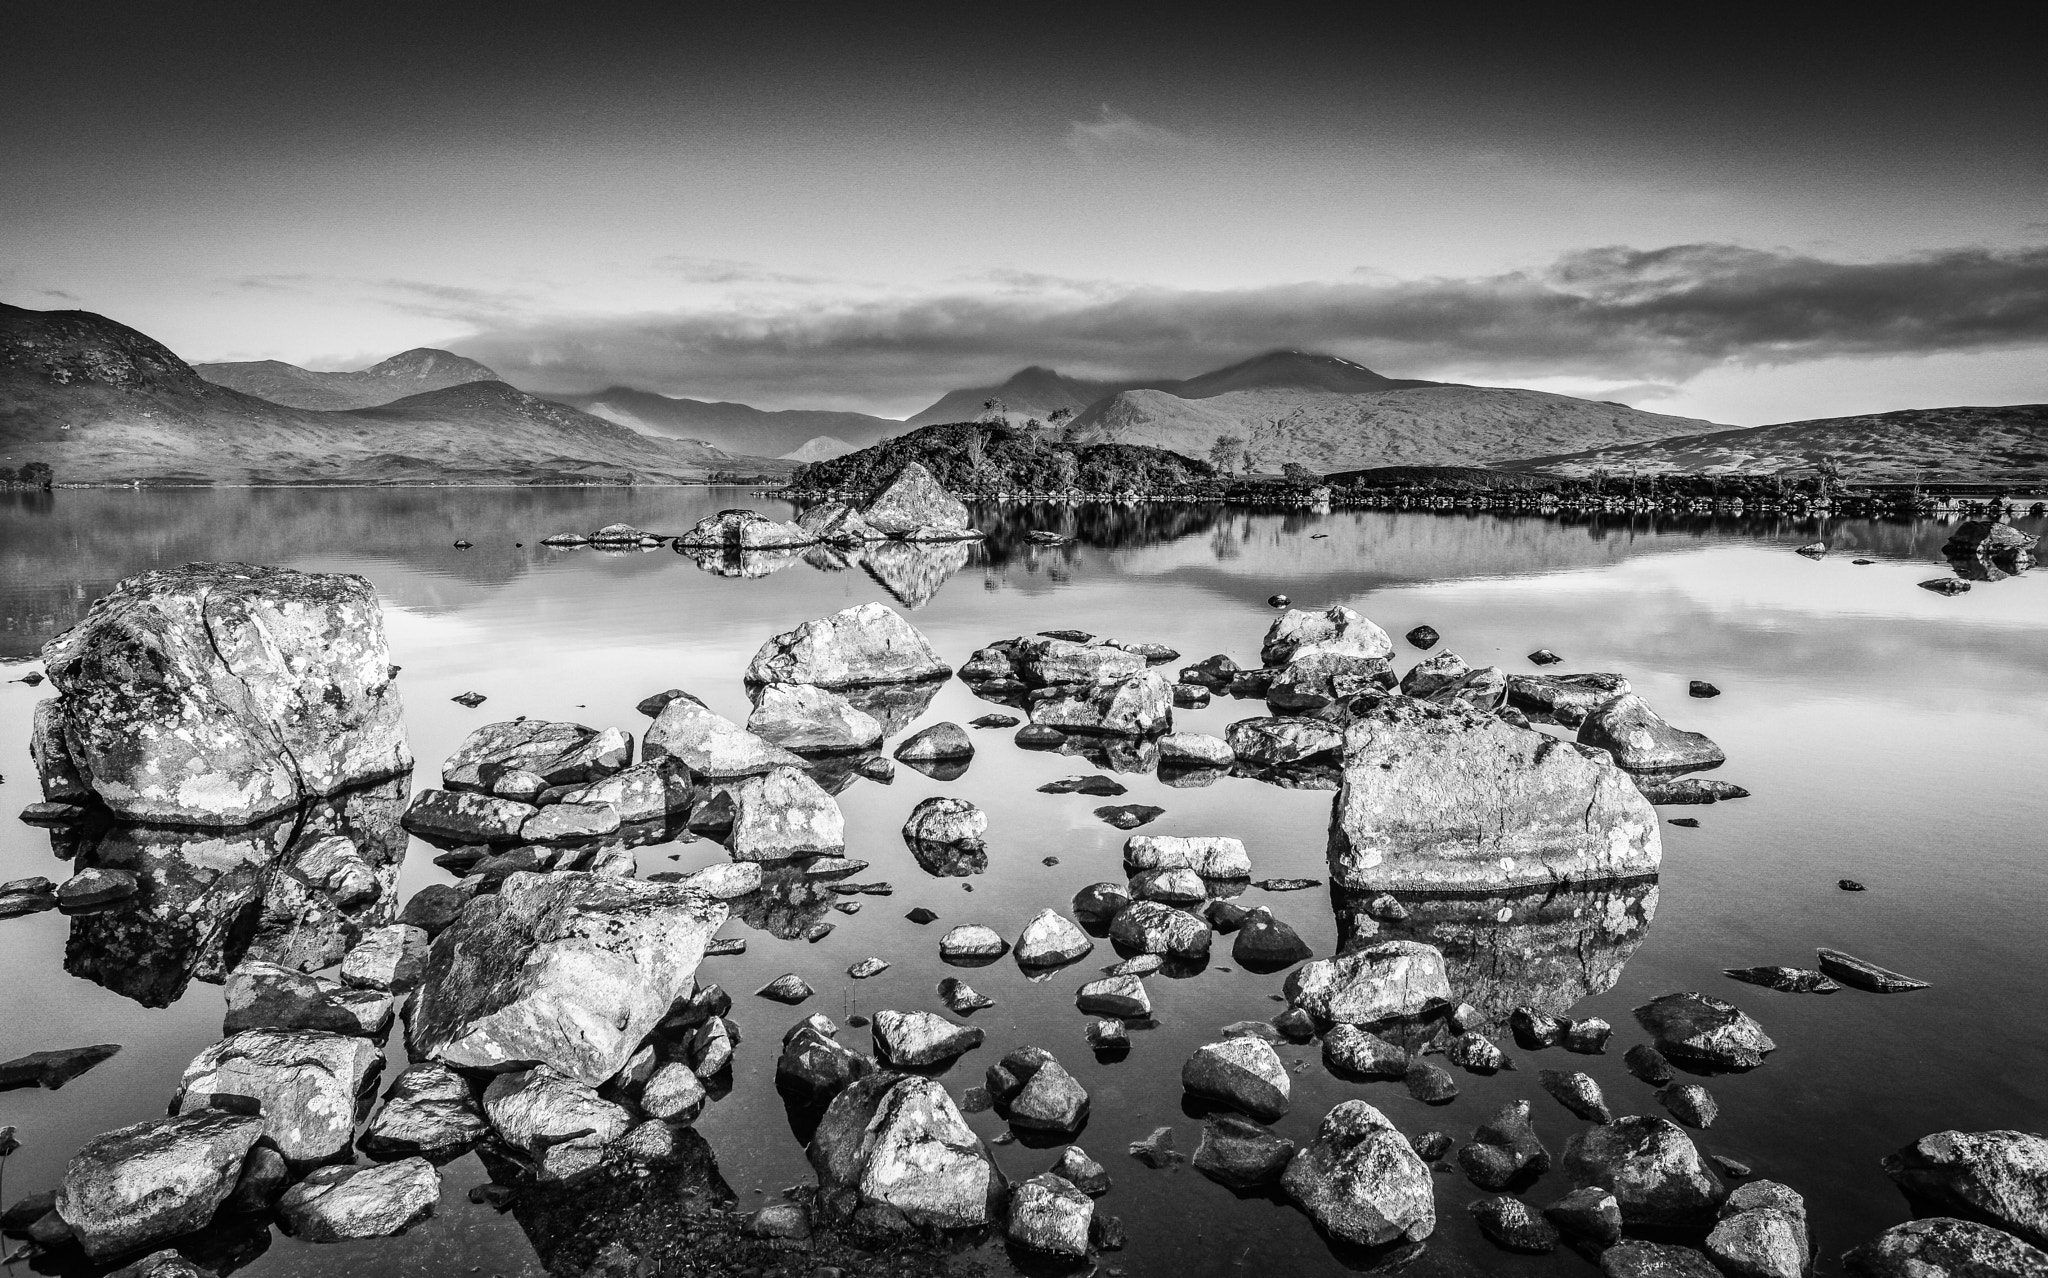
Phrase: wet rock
[1108,1036]
[1998,1178]
[962,998]
[973,943]
[1240,1153]
[1704,1030]
[1690,1104]
[1361,1181]
[1648,1064]
[1139,706]
[1336,631]
[1082,1172]
[1636,1259]
[1195,750]
[784,1220]
[1036,1093]
[674,1094]
[568,969]
[1283,742]
[911,501]
[1225,916]
[1423,637]
[809,720]
[27,896]
[897,1142]
[60,778]
[267,995]
[1475,1052]
[341,1204]
[1418,777]
[305,1083]
[725,882]
[1812,550]
[838,524]
[1173,887]
[1129,816]
[220,694]
[567,822]
[1349,1050]
[1536,1030]
[1989,539]
[1590,1214]
[1379,982]
[1433,1147]
[784,814]
[1587,1037]
[1210,857]
[93,887]
[1123,997]
[1945,1248]
[1149,927]
[709,744]
[1042,660]
[741,530]
[1577,1092]
[563,1127]
[866,644]
[1252,1029]
[1850,970]
[1701,688]
[787,988]
[1156,1151]
[1039,736]
[1787,980]
[943,819]
[1100,902]
[1049,1216]
[558,753]
[1265,944]
[1191,696]
[391,958]
[1504,1149]
[1106,787]
[466,818]
[1687,790]
[1242,1072]
[1850,885]
[430,1109]
[51,1070]
[994,721]
[921,916]
[1510,1224]
[153,1180]
[1762,1233]
[1729,1166]
[1051,939]
[913,1040]
[814,1066]
[1651,1167]
[942,741]
[1640,740]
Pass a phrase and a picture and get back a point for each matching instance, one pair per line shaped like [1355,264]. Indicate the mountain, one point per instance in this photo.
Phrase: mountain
[822,448]
[407,373]
[1288,371]
[103,403]
[1030,392]
[1976,444]
[738,428]
[967,457]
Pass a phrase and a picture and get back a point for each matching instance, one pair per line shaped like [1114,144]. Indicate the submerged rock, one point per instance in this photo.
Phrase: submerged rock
[1850,970]
[1682,790]
[153,1180]
[1651,1167]
[1640,740]
[1786,980]
[1361,1180]
[342,1204]
[1241,1153]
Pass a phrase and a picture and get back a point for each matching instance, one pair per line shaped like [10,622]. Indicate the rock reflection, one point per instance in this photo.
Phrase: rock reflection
[727,562]
[788,903]
[912,572]
[894,705]
[622,1222]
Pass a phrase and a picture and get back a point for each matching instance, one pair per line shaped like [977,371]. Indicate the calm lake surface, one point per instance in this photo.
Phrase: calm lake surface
[1889,735]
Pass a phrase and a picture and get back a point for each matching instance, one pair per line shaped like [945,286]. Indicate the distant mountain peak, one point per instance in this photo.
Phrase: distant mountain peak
[432,362]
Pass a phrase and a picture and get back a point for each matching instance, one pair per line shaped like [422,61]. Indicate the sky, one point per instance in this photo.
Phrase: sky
[1743,218]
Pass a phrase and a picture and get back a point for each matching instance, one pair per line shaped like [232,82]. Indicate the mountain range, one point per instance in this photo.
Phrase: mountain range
[739,428]
[410,372]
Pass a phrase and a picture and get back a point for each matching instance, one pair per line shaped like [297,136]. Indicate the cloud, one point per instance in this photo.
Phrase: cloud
[1611,313]
[714,270]
[1113,136]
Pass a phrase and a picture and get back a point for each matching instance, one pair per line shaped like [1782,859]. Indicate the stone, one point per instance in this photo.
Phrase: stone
[1049,1216]
[1107,787]
[945,820]
[972,943]
[304,1083]
[994,721]
[1051,1100]
[458,817]
[1762,1233]
[1636,1259]
[1704,1030]
[567,822]
[153,1180]
[1139,706]
[1082,1172]
[1686,790]
[1945,1248]
[51,1070]
[1349,1050]
[941,741]
[1590,1214]
[1648,1064]
[1039,736]
[1505,1149]
[1149,927]
[1477,1053]
[391,958]
[898,1142]
[1195,750]
[643,792]
[1265,944]
[1283,742]
[1101,902]
[1701,688]
[1989,539]
[856,647]
[814,1067]
[1338,631]
[1380,982]
[1242,1072]
[809,720]
[429,1109]
[913,1040]
[709,744]
[1946,585]
[1512,1226]
[1156,1151]
[1210,857]
[1577,1092]
[787,988]
[1587,1037]
[1690,1104]
[27,896]
[961,998]
[839,524]
[1042,660]
[1051,939]
[1997,1178]
[1252,1029]
[1850,970]
[741,530]
[1122,997]
[342,1204]
[1192,696]
[1107,1036]
[558,753]
[710,1048]
[783,814]
[59,776]
[725,882]
[1361,1181]
[94,887]
[674,1094]
[161,1264]
[219,694]
[269,995]
[1651,1167]
[1240,1153]
[1812,550]
[785,1220]
[568,969]
[562,1126]
[1129,816]
[1786,980]
[1443,798]
[912,500]
[1640,740]
[1173,887]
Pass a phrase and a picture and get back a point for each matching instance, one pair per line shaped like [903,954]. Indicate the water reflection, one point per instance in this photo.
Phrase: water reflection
[912,572]
[619,1224]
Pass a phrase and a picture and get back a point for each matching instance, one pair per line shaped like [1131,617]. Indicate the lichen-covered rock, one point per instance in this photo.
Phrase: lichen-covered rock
[808,720]
[869,643]
[709,744]
[838,524]
[1284,741]
[1338,631]
[741,529]
[153,1180]
[1049,1216]
[781,814]
[262,995]
[1195,750]
[454,816]
[1700,1028]
[557,753]
[1213,857]
[569,969]
[1444,798]
[305,1083]
[1941,1247]
[1640,739]
[1762,1233]
[390,958]
[1138,706]
[1637,1259]
[61,780]
[1651,1167]
[913,501]
[899,1142]
[1362,1181]
[429,1109]
[219,694]
[1377,983]
[1349,1050]
[342,1204]
[562,1126]
[1153,927]
[1563,697]
[914,1040]
[1041,659]
[643,792]
[1051,939]
[1242,1072]
[1999,1178]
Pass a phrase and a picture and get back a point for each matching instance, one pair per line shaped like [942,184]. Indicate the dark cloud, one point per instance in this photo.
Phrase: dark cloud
[1660,314]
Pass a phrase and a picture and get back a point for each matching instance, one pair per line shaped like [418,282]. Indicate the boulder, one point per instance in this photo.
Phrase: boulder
[1690,1104]
[914,1040]
[262,995]
[557,753]
[1283,742]
[743,530]
[1989,539]
[674,1094]
[1998,1178]
[1195,750]
[391,958]
[1443,798]
[837,524]
[1210,857]
[973,943]
[1152,927]
[1241,1153]
[1865,975]
[1577,1092]
[61,780]
[1082,1172]
[27,896]
[1704,1030]
[710,745]
[1380,982]
[1139,706]
[643,792]
[781,814]
[1265,944]
[1245,1073]
[1362,1181]
[1590,1214]
[1636,1259]
[51,1070]
[1051,939]
[304,1083]
[1651,1167]
[1049,1216]
[153,1180]
[429,1109]
[1641,741]
[1512,1226]
[563,1127]
[1100,902]
[961,998]
[1296,634]
[567,822]
[1762,1233]
[866,644]
[1174,887]
[1564,697]
[1349,1050]
[940,742]
[724,882]
[220,694]
[342,1204]
[814,1066]
[1122,997]
[1504,1149]
[912,501]
[455,817]
[1041,660]
[1944,1248]
[1038,1094]
[897,1142]
[810,720]
[569,969]
[1687,790]
[945,819]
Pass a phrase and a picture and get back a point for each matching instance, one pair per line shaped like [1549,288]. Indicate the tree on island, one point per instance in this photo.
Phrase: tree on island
[36,473]
[1226,452]
[1296,473]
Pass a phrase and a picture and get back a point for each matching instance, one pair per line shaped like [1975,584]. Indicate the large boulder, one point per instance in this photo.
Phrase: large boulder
[709,744]
[898,1142]
[1999,1178]
[1442,798]
[643,792]
[808,720]
[1641,741]
[869,643]
[741,529]
[556,753]
[1989,539]
[430,1109]
[1040,660]
[153,1180]
[342,1204]
[1047,1215]
[262,995]
[1941,1247]
[1153,927]
[1240,1153]
[781,814]
[1651,1167]
[912,501]
[1338,631]
[1704,1030]
[306,1085]
[1138,706]
[1380,982]
[1245,1073]
[567,969]
[562,1126]
[837,524]
[1362,1181]
[219,694]
[1762,1233]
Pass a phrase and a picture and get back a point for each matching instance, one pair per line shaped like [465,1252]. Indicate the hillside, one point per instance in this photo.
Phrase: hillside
[1978,444]
[408,373]
[103,403]
[823,448]
[1030,392]
[969,458]
[736,428]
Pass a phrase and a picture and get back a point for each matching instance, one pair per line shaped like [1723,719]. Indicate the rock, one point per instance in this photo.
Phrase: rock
[1051,939]
[911,501]
[1136,965]
[896,1142]
[1989,539]
[784,1220]
[162,1264]
[153,1180]
[1043,660]
[1427,678]
[814,1066]
[1377,983]
[220,694]
[1440,798]
[1504,1149]
[1129,816]
[787,988]
[1156,1151]
[1173,887]
[558,753]
[1337,631]
[568,822]
[1194,750]
[1108,1036]
[51,1070]
[921,916]
[1648,1064]
[305,1083]
[1423,637]
[1283,742]
[1634,1259]
[1850,970]
[1106,787]
[27,896]
[391,958]
[341,1204]
[1140,706]
[1082,1172]
[434,907]
[1535,1030]
[1729,1166]
[1210,857]
[568,969]
[1252,1029]
[741,530]
[429,1110]
[1349,1050]
[1701,688]
[1240,1153]
[60,778]
[724,882]
[1242,1072]
[1563,697]
[94,887]
[1192,696]
[1361,1181]
[838,524]
[1998,1178]
[710,745]
[1101,902]
[1587,1037]
[1704,1030]
[1265,944]
[1590,1214]
[973,943]
[1149,927]
[1049,1216]
[1051,1100]
[562,1126]
[1945,1248]
[674,1094]
[1762,1233]
[262,995]
[1812,550]
[784,814]
[466,818]
[810,720]
[1577,1092]
[961,998]
[1678,790]
[1475,1052]
[618,535]
[1690,1104]
[943,819]
[1946,586]
[1651,1167]
[1432,1147]
[941,741]
[1225,916]
[856,647]
[1850,885]
[1123,997]
[1512,1226]
[912,1040]
[1640,740]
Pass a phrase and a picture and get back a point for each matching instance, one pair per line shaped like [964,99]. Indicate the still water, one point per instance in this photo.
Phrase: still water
[1888,734]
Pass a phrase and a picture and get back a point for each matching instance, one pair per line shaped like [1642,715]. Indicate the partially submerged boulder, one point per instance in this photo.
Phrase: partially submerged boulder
[305,1084]
[709,744]
[867,644]
[1377,983]
[809,720]
[558,753]
[1138,706]
[1244,1073]
[430,1109]
[1941,1247]
[1212,857]
[837,524]
[1641,741]
[1338,631]
[153,1180]
[1362,1181]
[741,529]
[1651,1167]
[342,1204]
[898,1142]
[261,995]
[562,1126]
[1704,1030]
[1998,1178]
[782,814]
[912,501]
